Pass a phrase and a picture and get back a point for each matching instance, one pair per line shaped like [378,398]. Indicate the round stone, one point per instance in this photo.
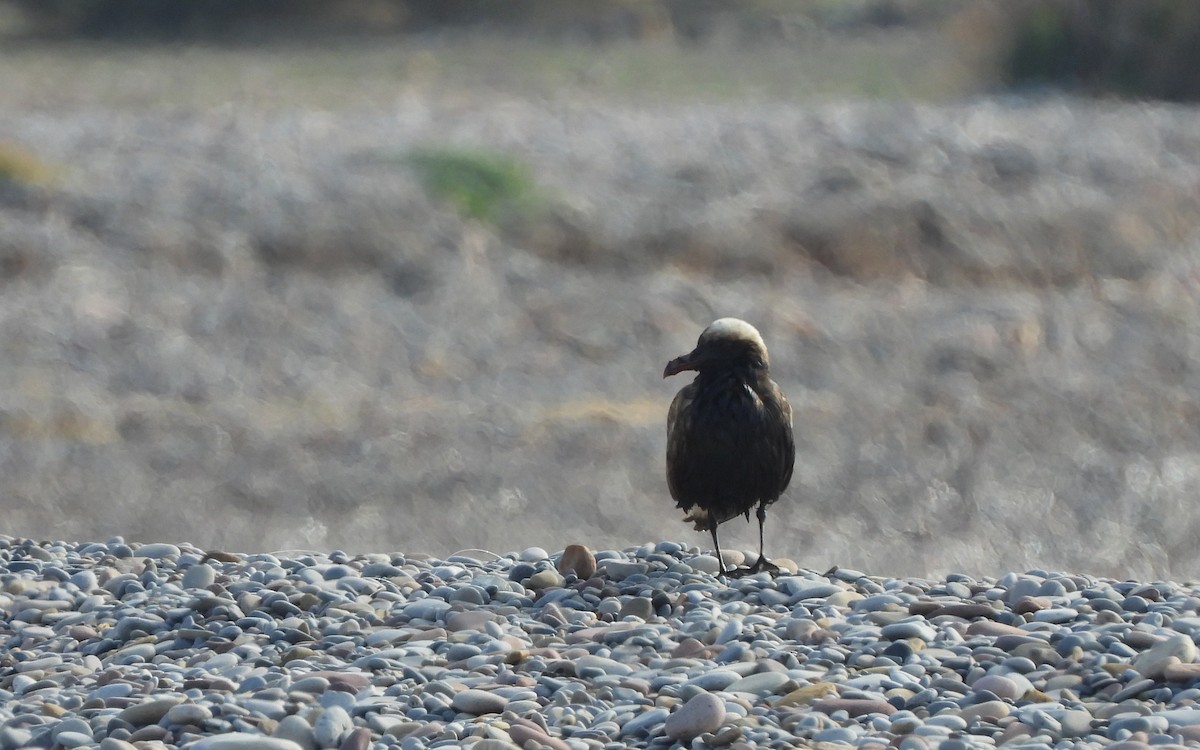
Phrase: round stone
[296,729]
[909,629]
[704,712]
[243,741]
[637,606]
[1173,649]
[188,713]
[157,550]
[999,685]
[705,564]
[578,560]
[331,726]
[149,712]
[761,684]
[358,739]
[199,576]
[545,579]
[619,570]
[473,701]
[854,706]
[644,722]
[990,711]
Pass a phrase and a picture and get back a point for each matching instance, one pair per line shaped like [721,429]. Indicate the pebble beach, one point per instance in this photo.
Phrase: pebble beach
[118,645]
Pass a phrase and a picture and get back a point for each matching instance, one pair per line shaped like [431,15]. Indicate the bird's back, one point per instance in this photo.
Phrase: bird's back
[729,445]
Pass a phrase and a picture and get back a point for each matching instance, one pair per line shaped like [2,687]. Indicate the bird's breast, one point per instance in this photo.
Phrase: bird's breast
[728,404]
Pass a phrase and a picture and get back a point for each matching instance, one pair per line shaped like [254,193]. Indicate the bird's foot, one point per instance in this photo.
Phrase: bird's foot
[760,565]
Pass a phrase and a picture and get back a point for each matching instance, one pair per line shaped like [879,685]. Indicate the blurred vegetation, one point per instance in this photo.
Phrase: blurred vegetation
[1139,48]
[18,165]
[480,185]
[595,20]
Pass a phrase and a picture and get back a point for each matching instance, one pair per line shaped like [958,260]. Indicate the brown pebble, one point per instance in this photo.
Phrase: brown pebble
[854,706]
[805,695]
[688,647]
[524,730]
[769,665]
[965,610]
[472,619]
[1149,593]
[358,739]
[579,560]
[560,668]
[1009,642]
[296,652]
[924,607]
[149,712]
[306,601]
[1027,604]
[726,736]
[990,711]
[148,733]
[1013,731]
[224,557]
[1140,639]
[1180,672]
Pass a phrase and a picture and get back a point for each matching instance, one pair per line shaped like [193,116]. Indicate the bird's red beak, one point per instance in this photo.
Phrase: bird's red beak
[679,364]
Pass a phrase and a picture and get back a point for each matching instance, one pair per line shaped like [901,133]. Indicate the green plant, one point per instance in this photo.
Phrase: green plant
[480,185]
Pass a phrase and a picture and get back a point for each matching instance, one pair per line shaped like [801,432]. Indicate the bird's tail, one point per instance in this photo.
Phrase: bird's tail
[700,518]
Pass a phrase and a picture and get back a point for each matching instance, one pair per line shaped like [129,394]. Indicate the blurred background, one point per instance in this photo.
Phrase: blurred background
[402,275]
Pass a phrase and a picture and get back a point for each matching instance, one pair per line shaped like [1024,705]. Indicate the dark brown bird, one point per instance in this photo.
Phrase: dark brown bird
[729,434]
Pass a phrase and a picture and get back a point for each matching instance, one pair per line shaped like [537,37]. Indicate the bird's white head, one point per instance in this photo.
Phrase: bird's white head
[732,329]
[724,341]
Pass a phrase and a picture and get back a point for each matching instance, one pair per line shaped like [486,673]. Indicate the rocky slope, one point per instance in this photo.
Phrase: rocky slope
[257,331]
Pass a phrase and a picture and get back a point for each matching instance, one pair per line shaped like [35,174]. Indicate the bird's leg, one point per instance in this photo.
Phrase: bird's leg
[716,545]
[762,563]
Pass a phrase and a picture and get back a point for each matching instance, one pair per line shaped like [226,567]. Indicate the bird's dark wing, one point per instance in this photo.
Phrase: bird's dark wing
[728,449]
[782,458]
[679,424]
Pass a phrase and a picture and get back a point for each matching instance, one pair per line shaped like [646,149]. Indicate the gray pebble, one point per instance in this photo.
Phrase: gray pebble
[243,741]
[188,713]
[433,653]
[199,576]
[618,570]
[644,722]
[331,726]
[703,713]
[157,550]
[296,730]
[909,629]
[478,702]
[149,712]
[762,683]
